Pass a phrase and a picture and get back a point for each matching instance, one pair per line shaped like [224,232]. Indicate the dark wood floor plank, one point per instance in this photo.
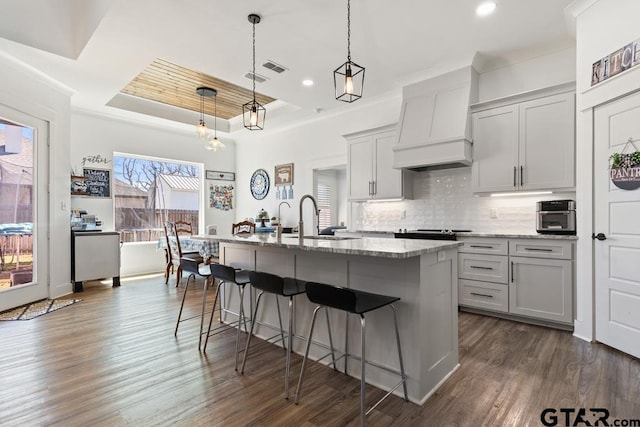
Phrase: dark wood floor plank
[112,360]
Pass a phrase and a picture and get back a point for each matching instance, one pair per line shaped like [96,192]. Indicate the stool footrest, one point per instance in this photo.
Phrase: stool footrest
[404,378]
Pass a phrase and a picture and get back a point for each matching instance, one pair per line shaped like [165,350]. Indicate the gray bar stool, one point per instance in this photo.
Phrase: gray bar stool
[240,278]
[356,302]
[276,285]
[193,265]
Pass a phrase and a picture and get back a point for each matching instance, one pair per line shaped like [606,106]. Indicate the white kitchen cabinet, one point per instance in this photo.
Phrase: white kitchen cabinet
[541,288]
[370,174]
[94,255]
[527,144]
[521,278]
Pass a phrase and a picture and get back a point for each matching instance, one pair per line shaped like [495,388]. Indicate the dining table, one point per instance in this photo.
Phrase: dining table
[207,248]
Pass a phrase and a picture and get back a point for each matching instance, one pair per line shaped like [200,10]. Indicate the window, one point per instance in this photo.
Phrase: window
[329,194]
[148,192]
[324,204]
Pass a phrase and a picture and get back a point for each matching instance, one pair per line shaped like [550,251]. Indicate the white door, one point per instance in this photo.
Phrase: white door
[24,161]
[617,217]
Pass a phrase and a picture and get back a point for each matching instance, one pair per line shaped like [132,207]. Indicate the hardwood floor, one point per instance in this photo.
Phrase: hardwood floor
[113,360]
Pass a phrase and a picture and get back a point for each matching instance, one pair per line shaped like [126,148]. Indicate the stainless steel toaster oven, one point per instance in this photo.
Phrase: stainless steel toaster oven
[556,217]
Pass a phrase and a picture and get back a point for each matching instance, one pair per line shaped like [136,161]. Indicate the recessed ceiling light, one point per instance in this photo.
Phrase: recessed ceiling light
[307,82]
[486,8]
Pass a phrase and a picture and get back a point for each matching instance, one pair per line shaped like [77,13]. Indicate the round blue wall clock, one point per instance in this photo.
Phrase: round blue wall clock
[259,184]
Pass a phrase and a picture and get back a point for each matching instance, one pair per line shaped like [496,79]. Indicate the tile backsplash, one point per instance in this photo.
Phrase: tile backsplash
[444,199]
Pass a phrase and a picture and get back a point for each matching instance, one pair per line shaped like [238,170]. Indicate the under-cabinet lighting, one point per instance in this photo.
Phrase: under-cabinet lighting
[383,200]
[522,193]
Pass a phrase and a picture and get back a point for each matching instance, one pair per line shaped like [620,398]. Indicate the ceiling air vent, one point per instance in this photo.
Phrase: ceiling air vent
[274,66]
[258,77]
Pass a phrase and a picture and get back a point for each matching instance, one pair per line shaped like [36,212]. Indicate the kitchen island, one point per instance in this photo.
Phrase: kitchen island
[422,273]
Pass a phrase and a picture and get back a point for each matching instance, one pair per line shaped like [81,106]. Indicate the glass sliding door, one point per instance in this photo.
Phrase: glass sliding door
[24,171]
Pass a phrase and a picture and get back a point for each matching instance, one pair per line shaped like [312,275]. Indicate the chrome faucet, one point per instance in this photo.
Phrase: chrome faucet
[300,222]
[279,206]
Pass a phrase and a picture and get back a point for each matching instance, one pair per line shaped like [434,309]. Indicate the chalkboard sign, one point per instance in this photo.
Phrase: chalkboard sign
[98,182]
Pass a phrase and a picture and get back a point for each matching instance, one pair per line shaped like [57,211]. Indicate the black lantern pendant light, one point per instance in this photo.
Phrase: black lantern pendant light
[214,144]
[253,113]
[348,79]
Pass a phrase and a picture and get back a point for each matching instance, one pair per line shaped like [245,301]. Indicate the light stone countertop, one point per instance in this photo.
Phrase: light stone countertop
[520,236]
[531,235]
[376,247]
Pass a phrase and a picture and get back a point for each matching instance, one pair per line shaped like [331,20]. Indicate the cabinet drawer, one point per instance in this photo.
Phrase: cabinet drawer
[487,268]
[490,296]
[474,245]
[541,248]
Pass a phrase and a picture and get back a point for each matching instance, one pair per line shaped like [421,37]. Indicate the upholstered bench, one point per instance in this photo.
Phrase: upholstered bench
[19,277]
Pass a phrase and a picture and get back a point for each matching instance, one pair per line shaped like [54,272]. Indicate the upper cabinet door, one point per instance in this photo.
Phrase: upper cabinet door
[547,143]
[360,171]
[495,149]
[388,181]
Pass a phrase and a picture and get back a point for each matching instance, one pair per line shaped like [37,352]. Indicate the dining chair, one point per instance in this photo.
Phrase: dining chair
[243,227]
[174,249]
[183,227]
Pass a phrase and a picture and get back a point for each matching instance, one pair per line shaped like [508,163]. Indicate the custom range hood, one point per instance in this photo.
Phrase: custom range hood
[434,125]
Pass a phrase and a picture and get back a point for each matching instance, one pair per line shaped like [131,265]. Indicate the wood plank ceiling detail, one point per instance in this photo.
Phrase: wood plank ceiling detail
[171,84]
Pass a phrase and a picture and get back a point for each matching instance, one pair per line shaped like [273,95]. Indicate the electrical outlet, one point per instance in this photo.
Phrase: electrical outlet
[440,256]
[403,214]
[63,206]
[493,212]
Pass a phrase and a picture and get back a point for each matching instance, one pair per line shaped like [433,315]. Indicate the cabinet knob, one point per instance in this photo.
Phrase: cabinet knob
[599,236]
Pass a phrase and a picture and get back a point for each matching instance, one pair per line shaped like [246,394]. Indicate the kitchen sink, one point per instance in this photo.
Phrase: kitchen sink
[325,237]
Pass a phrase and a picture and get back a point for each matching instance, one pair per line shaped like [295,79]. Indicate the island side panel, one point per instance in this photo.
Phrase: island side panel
[399,278]
[439,317]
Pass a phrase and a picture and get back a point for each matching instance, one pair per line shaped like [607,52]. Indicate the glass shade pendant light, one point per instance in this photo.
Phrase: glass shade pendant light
[348,79]
[202,130]
[253,113]
[214,144]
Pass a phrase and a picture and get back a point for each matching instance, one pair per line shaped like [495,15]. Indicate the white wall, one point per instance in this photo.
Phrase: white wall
[25,89]
[93,135]
[602,27]
[537,73]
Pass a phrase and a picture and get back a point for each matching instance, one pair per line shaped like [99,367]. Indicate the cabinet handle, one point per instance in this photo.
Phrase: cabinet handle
[511,271]
[521,175]
[481,246]
[481,267]
[481,295]
[375,187]
[515,173]
[370,192]
[538,249]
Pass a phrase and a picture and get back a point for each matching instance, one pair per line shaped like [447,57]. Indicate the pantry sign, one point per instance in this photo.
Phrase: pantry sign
[625,167]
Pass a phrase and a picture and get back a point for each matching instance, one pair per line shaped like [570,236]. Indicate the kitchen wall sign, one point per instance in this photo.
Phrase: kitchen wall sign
[98,182]
[615,63]
[222,176]
[625,167]
[259,184]
[283,174]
